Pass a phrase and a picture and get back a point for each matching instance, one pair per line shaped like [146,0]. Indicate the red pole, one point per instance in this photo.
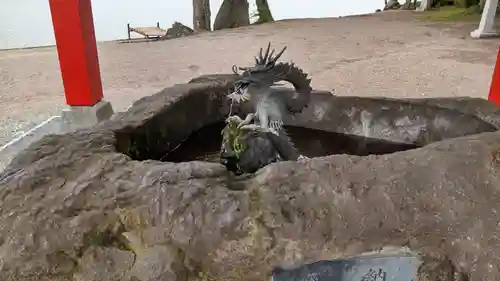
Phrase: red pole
[77,49]
[494,95]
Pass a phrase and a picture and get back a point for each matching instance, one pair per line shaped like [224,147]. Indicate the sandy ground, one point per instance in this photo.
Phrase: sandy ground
[387,54]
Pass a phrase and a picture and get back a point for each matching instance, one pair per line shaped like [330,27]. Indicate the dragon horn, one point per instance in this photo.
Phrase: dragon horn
[267,51]
[278,55]
[271,54]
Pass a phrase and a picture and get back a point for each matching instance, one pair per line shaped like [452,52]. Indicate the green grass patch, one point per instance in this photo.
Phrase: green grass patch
[452,13]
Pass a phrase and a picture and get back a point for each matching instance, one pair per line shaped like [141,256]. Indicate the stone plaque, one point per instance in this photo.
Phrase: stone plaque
[375,267]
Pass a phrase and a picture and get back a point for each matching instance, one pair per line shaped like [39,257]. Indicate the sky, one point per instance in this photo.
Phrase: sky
[27,23]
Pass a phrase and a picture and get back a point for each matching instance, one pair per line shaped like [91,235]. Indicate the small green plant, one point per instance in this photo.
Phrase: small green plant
[232,136]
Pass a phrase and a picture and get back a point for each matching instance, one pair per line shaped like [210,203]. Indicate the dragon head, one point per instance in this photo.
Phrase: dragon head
[262,75]
[266,73]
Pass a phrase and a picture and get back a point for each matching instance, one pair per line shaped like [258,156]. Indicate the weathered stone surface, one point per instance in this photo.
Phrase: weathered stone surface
[392,5]
[104,264]
[178,30]
[232,14]
[70,202]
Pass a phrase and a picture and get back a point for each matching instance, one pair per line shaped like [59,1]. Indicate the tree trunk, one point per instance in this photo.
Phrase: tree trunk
[461,3]
[232,13]
[201,15]
[264,12]
[406,5]
[434,4]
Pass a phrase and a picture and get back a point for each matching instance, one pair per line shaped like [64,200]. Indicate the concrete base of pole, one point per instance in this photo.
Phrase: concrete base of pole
[79,117]
[478,34]
[71,119]
[487,24]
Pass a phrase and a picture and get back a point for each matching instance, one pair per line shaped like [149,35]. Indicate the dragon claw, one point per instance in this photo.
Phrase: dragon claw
[234,119]
[275,126]
[252,127]
[272,130]
[247,121]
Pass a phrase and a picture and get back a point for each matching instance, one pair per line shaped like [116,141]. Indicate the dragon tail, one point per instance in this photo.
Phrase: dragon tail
[294,75]
[284,145]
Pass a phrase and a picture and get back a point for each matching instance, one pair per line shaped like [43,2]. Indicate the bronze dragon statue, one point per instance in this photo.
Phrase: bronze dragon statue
[260,139]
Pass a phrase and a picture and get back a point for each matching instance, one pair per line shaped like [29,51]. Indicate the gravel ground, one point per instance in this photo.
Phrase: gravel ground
[387,54]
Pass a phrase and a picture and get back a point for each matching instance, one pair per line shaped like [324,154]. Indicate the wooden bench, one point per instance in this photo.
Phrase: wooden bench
[154,32]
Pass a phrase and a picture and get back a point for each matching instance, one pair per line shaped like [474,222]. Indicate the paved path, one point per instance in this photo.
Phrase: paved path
[387,54]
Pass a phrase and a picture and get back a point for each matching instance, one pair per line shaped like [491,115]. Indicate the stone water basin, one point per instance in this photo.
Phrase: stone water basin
[204,144]
[124,201]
